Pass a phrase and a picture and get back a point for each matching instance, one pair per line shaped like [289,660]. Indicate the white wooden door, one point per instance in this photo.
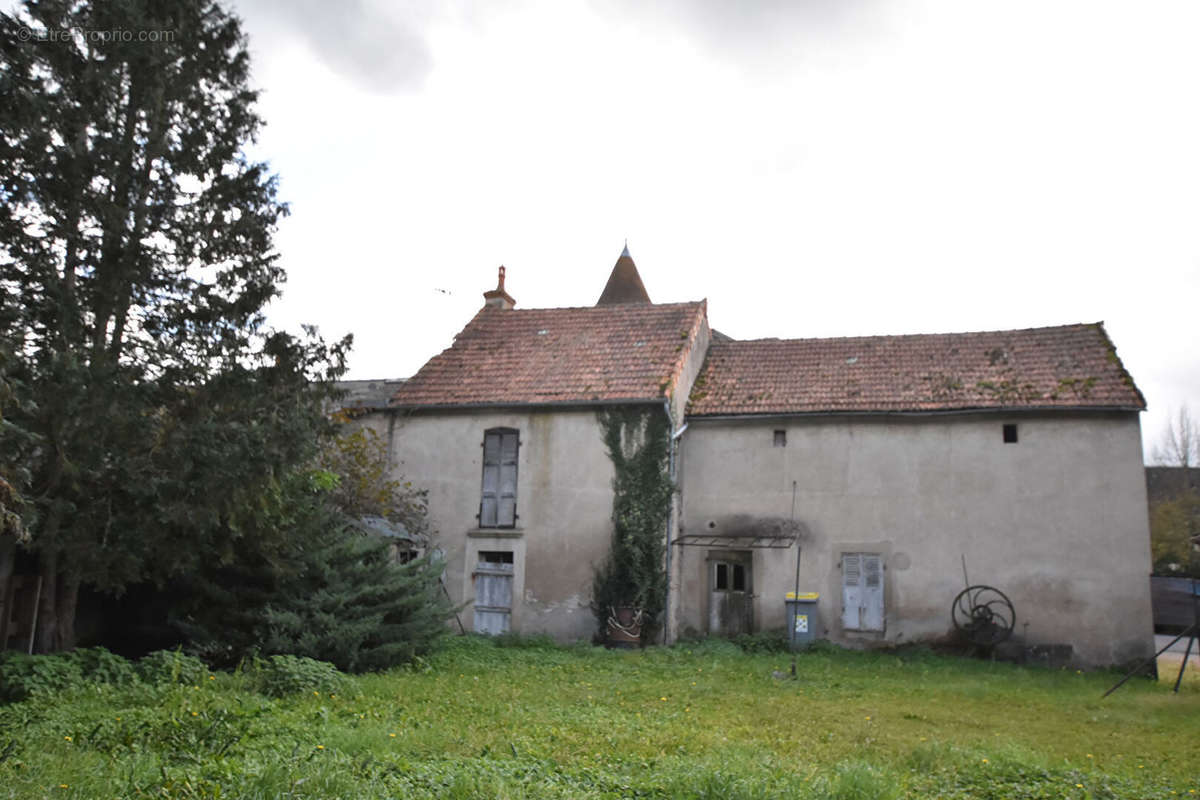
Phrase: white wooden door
[493,597]
[862,591]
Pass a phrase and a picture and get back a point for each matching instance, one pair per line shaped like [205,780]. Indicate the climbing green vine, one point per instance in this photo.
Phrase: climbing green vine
[634,573]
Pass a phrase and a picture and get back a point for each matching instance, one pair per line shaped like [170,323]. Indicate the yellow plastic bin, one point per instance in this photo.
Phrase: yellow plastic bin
[802,617]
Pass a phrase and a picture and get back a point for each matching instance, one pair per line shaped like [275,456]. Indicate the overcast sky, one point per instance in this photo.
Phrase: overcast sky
[819,168]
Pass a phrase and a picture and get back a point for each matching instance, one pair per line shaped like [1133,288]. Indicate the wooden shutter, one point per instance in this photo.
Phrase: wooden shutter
[872,596]
[851,590]
[491,479]
[862,591]
[498,504]
[506,514]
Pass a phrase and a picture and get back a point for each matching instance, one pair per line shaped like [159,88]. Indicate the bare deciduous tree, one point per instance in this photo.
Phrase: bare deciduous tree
[1180,443]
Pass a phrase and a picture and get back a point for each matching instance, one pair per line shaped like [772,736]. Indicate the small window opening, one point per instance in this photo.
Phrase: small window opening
[739,578]
[496,557]
[781,438]
[1010,433]
[405,556]
[722,577]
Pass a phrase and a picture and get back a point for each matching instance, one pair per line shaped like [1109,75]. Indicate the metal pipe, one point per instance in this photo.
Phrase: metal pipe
[1191,632]
[1187,653]
[796,589]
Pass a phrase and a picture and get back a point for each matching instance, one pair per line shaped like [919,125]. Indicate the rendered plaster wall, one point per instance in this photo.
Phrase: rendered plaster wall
[1057,520]
[564,508]
[692,365]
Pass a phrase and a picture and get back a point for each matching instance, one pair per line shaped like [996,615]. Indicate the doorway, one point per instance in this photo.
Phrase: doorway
[493,592]
[730,592]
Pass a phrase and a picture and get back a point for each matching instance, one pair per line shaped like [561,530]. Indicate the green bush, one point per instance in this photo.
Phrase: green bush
[99,665]
[172,666]
[775,641]
[23,676]
[711,646]
[283,675]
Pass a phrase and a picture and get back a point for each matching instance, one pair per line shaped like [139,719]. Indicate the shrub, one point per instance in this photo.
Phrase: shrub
[763,642]
[99,665]
[284,675]
[23,676]
[172,666]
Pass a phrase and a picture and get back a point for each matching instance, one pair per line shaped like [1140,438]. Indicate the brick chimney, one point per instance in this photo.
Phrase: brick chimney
[498,298]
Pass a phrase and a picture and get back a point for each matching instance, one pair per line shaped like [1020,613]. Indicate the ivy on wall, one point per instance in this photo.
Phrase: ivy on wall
[634,573]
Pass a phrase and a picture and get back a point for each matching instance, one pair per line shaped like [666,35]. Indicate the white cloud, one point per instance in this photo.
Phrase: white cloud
[911,166]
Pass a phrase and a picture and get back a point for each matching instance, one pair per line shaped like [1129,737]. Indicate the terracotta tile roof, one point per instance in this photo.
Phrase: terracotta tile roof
[1072,366]
[559,355]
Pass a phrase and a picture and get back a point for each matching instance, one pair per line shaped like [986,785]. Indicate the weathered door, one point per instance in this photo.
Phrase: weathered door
[730,594]
[493,593]
[862,591]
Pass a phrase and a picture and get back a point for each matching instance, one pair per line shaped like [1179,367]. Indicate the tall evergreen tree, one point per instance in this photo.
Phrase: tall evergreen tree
[135,263]
[13,474]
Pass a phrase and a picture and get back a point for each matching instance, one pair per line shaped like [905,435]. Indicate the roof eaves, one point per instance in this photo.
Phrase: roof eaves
[928,412]
[621,401]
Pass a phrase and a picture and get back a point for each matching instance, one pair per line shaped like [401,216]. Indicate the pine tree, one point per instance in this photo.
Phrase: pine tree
[334,593]
[356,607]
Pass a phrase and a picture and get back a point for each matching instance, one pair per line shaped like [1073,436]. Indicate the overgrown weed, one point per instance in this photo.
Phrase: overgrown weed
[526,718]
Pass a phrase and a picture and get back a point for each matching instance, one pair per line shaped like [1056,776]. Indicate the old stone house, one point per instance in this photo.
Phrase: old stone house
[891,461]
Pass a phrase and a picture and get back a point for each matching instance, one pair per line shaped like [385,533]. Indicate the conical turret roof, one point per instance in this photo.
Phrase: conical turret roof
[624,284]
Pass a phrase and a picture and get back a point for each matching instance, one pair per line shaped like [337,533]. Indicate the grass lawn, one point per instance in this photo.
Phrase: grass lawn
[706,721]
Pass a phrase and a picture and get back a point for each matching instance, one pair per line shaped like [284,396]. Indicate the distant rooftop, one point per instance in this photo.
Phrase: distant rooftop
[1168,483]
[370,394]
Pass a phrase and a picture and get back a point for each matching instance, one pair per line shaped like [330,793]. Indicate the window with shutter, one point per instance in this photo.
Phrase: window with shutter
[862,591]
[498,504]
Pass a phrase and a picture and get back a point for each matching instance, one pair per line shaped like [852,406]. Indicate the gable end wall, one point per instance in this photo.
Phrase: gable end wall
[1057,521]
